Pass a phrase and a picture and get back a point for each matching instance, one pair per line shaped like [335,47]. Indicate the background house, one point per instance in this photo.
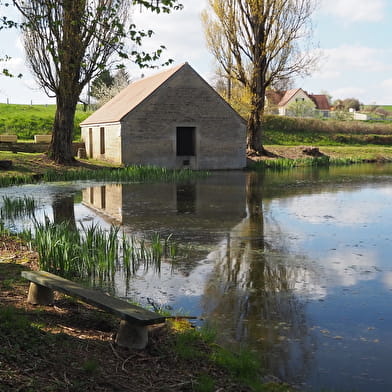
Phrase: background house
[173,119]
[298,103]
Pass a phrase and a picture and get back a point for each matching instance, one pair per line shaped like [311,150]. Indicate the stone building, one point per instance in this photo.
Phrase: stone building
[173,119]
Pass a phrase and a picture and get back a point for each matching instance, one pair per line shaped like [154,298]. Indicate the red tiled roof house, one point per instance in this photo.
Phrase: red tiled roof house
[282,101]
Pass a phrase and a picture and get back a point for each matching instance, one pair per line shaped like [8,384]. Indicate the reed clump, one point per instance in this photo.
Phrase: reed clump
[95,254]
[17,207]
[136,173]
[286,163]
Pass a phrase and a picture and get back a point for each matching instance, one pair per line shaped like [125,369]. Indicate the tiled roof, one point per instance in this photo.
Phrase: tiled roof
[287,96]
[130,97]
[281,98]
[321,101]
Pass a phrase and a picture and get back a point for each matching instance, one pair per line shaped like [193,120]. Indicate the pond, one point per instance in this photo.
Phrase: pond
[294,265]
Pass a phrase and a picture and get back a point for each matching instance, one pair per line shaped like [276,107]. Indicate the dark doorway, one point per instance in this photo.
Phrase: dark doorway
[186,199]
[186,141]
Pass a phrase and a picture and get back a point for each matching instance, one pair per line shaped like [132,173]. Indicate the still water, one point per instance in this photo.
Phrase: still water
[295,265]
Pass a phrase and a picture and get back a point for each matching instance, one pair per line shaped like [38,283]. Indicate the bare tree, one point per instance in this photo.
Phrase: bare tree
[257,42]
[70,42]
[104,93]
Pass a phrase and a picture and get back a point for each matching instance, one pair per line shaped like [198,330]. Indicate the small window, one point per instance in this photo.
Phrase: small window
[92,196]
[103,197]
[186,141]
[102,140]
[90,142]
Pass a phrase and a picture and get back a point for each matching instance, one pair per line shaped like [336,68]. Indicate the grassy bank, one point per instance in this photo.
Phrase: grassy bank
[285,157]
[29,120]
[30,168]
[281,130]
[69,347]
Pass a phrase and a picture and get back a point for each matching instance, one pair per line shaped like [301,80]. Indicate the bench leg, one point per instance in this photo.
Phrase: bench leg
[132,336]
[40,295]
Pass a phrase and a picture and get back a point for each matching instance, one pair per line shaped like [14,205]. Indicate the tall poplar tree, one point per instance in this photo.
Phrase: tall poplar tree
[257,42]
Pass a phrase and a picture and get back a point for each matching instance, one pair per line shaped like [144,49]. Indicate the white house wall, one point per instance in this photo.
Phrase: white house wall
[300,95]
[112,142]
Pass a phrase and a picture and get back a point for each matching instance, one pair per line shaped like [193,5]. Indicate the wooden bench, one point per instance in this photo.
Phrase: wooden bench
[133,330]
[42,138]
[8,138]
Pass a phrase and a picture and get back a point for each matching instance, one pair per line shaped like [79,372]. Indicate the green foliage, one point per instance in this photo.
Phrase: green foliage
[190,343]
[351,103]
[296,131]
[104,79]
[205,383]
[242,365]
[93,253]
[90,366]
[285,163]
[14,208]
[301,108]
[29,120]
[17,329]
[135,173]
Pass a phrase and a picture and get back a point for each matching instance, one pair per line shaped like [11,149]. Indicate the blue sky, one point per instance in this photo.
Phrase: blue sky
[352,40]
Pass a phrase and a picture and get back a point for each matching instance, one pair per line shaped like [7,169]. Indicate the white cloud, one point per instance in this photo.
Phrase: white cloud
[348,92]
[387,280]
[318,209]
[356,10]
[15,65]
[387,83]
[351,58]
[181,32]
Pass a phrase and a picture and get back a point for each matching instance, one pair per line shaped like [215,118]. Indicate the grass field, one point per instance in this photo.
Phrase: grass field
[292,131]
[29,120]
[386,107]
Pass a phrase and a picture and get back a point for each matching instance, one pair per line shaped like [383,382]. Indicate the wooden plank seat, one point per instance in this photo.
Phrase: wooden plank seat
[42,138]
[133,331]
[8,138]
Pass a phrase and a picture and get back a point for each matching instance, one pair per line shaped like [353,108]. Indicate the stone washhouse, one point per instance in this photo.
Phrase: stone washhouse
[173,119]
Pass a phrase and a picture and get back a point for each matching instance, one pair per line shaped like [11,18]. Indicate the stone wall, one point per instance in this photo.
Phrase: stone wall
[185,100]
[112,142]
[34,147]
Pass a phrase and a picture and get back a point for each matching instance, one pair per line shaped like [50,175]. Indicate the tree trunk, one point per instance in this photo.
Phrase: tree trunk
[60,149]
[254,207]
[254,140]
[69,88]
[257,89]
[64,211]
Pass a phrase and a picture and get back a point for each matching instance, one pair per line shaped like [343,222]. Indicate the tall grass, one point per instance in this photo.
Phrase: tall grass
[286,163]
[94,253]
[135,173]
[19,179]
[17,207]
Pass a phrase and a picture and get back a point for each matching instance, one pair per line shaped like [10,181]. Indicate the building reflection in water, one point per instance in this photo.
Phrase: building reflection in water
[246,289]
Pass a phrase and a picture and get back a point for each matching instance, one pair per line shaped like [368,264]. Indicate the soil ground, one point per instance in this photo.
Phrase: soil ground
[69,346]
